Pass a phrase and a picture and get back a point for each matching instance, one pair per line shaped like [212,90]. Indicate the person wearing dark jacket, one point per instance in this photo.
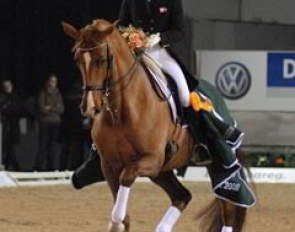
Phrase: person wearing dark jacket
[51,107]
[163,22]
[10,111]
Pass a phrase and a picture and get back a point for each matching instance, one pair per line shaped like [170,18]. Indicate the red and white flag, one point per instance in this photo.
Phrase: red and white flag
[163,9]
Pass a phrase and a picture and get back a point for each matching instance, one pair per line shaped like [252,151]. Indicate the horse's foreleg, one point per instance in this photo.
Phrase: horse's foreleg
[179,196]
[119,212]
[120,218]
[227,229]
[146,166]
[116,225]
[120,207]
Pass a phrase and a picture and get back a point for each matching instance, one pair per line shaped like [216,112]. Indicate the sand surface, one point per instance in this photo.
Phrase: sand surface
[63,209]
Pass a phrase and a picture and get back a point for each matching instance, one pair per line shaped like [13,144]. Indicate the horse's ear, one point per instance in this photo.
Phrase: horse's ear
[108,30]
[115,24]
[70,30]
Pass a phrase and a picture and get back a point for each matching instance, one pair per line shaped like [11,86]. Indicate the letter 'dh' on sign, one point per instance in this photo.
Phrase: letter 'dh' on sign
[281,69]
[288,69]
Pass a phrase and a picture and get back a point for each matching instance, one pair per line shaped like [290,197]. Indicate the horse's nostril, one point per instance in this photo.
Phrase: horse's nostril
[97,111]
[83,108]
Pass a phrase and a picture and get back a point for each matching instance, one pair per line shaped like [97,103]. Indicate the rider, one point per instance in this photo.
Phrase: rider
[163,22]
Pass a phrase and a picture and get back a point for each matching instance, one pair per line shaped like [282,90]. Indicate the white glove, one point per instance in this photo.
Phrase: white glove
[153,40]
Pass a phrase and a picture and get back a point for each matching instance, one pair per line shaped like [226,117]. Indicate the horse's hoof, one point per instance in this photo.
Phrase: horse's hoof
[116,227]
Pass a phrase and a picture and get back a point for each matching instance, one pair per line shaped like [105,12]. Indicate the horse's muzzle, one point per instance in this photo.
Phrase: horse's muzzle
[89,112]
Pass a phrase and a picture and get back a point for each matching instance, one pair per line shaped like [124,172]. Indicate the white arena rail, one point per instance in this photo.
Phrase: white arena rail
[40,178]
[194,174]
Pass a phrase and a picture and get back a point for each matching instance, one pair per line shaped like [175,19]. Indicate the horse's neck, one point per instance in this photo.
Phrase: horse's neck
[134,94]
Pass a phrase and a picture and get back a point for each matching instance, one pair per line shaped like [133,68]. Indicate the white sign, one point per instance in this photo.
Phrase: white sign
[259,175]
[6,181]
[251,80]
[273,175]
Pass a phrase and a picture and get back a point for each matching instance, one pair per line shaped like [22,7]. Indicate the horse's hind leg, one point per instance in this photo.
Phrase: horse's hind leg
[179,196]
[233,217]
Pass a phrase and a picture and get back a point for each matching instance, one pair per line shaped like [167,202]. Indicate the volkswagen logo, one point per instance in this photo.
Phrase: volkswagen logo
[233,80]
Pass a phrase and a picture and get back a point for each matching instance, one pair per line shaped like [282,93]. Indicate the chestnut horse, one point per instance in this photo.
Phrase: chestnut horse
[132,127]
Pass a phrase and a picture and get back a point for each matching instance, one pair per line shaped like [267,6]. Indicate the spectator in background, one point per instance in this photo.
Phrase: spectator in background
[10,111]
[51,107]
[263,160]
[279,160]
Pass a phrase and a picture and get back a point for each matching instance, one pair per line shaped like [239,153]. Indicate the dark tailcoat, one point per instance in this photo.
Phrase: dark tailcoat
[158,16]
[163,16]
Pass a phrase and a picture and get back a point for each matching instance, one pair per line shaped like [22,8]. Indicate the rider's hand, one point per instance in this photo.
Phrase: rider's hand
[153,40]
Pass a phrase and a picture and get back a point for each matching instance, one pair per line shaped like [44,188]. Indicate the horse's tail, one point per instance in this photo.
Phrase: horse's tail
[211,216]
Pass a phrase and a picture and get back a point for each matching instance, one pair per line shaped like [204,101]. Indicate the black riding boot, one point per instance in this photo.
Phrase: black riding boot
[89,172]
[201,154]
[203,128]
[231,135]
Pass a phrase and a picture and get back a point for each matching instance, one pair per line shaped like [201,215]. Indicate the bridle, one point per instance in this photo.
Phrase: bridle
[108,85]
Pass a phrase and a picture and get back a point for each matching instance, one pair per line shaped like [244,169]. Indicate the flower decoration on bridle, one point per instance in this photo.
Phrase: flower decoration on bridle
[135,37]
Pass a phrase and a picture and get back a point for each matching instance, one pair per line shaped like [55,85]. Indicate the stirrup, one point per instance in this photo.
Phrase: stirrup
[183,122]
[171,149]
[201,155]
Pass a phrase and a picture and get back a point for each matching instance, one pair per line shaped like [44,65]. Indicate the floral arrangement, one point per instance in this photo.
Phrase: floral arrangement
[135,37]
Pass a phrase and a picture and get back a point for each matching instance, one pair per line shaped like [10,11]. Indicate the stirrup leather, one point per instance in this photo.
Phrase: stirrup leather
[201,155]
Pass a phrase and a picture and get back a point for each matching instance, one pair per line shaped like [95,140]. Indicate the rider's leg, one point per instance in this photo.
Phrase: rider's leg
[205,131]
[169,65]
[230,133]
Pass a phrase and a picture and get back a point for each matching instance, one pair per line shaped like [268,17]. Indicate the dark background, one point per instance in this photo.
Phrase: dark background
[33,45]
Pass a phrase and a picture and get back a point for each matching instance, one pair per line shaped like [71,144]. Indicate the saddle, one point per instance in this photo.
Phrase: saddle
[164,87]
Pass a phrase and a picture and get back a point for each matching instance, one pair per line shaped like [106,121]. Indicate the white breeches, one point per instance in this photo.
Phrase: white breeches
[169,65]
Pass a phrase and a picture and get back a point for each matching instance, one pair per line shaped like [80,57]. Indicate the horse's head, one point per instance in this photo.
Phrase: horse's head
[94,59]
